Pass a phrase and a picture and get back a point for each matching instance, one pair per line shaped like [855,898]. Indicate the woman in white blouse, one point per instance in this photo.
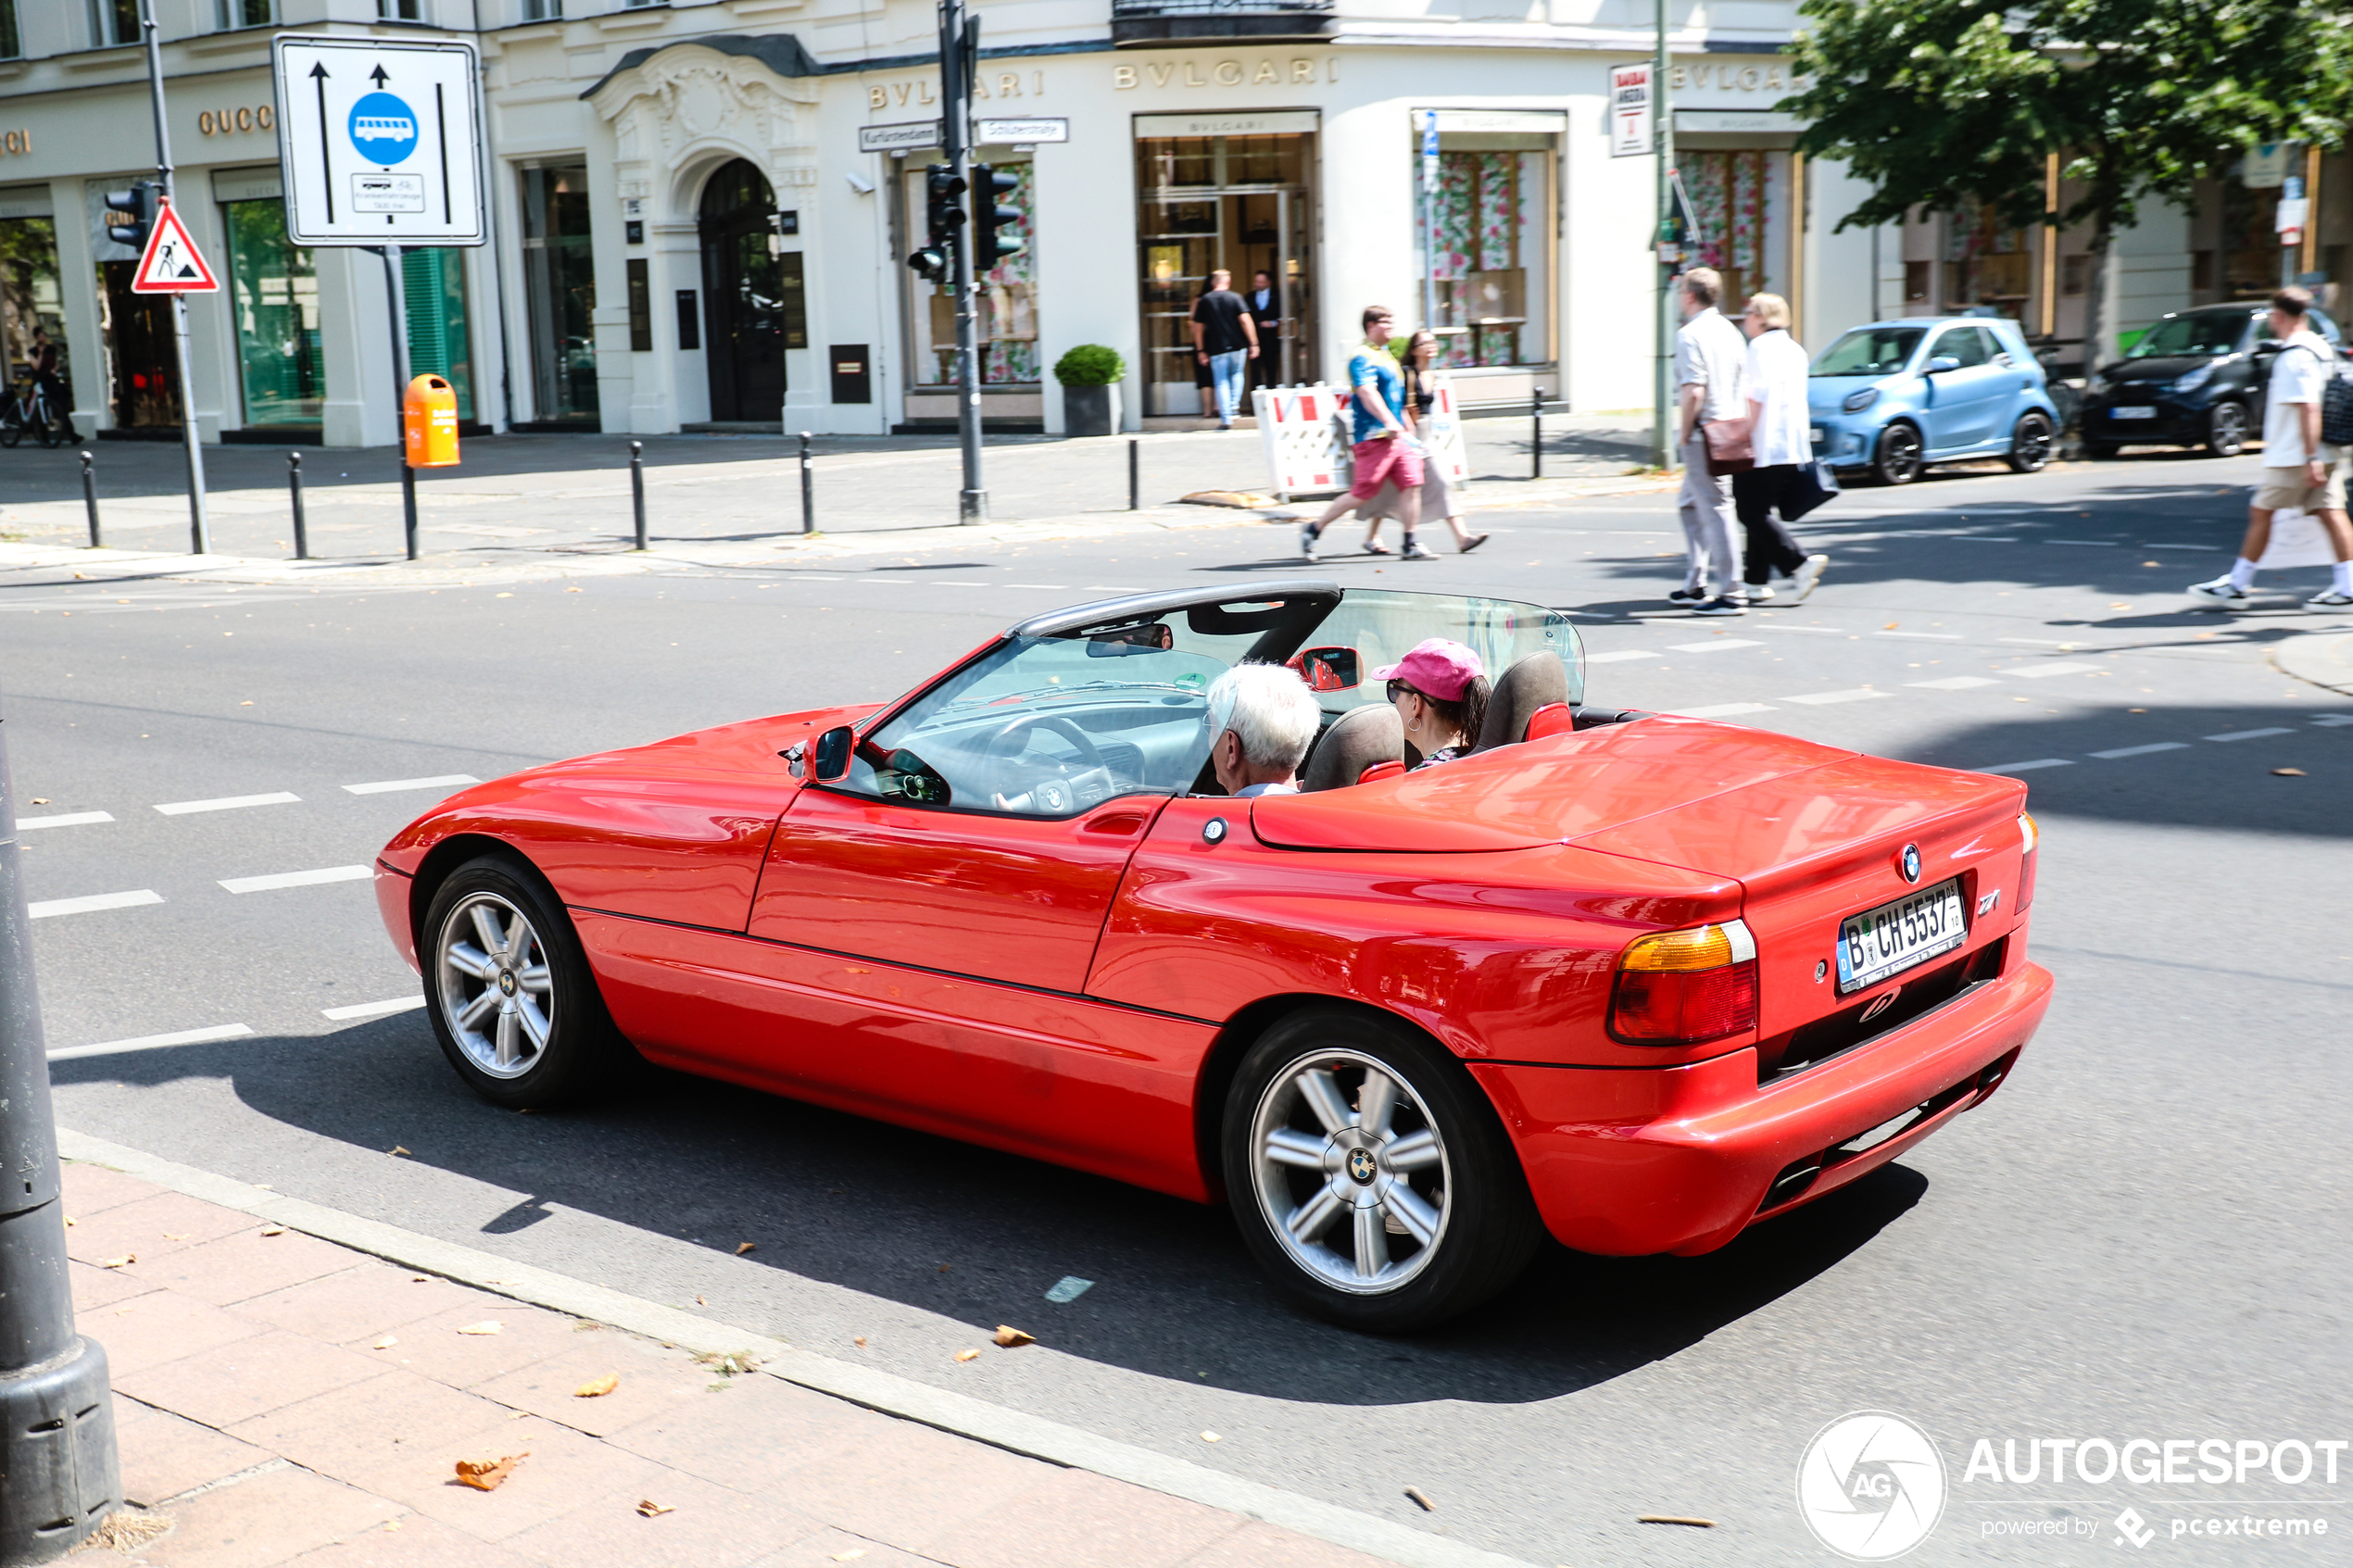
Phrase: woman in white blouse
[1782,436]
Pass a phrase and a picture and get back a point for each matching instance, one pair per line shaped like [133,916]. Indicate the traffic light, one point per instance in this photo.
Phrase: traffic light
[137,205]
[934,259]
[990,246]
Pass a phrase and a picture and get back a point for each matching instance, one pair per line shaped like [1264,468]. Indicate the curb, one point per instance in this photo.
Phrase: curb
[959,1414]
[2323,658]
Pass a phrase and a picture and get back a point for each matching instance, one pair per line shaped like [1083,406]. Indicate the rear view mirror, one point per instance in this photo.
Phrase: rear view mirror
[830,757]
[1942,363]
[1152,636]
[1328,670]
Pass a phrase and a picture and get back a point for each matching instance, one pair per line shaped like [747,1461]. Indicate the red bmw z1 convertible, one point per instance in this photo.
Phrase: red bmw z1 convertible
[1638,980]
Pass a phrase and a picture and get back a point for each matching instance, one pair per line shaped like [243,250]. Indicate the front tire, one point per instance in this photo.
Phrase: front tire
[2029,444]
[2226,427]
[11,431]
[1372,1181]
[1898,461]
[509,988]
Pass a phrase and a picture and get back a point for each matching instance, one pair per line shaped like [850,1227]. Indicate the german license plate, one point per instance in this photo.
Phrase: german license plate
[1896,936]
[2133,411]
[1815,435]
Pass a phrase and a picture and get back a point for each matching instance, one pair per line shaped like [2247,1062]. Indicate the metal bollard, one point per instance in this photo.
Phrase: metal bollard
[302,526]
[90,497]
[638,487]
[1135,473]
[808,490]
[409,506]
[1536,433]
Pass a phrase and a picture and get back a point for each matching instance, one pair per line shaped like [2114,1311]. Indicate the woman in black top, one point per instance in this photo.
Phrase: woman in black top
[1437,496]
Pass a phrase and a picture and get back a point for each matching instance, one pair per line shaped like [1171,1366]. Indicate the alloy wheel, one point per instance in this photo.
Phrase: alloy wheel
[2226,429]
[2030,445]
[496,990]
[1899,454]
[1350,1172]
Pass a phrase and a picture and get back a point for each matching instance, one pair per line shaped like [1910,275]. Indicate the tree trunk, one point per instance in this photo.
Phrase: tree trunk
[2099,343]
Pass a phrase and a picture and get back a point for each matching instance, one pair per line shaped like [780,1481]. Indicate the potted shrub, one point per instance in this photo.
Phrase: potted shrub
[1091,375]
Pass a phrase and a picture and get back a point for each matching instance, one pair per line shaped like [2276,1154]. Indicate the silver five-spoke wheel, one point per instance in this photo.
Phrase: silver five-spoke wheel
[495,988]
[1350,1172]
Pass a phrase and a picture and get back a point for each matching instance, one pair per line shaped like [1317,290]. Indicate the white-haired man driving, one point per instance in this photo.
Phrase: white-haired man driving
[1265,718]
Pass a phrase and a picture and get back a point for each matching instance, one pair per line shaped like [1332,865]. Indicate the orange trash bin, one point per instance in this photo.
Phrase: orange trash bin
[429,423]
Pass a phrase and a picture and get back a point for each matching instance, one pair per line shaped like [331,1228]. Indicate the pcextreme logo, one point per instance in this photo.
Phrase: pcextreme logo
[1871,1485]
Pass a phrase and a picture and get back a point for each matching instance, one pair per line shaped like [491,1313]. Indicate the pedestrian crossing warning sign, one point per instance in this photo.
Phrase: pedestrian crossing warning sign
[171,263]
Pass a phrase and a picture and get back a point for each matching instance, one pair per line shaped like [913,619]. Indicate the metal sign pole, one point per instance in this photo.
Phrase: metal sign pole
[959,48]
[199,527]
[395,285]
[1663,131]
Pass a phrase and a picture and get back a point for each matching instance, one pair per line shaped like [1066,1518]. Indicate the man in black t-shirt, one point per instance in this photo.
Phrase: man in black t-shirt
[1225,339]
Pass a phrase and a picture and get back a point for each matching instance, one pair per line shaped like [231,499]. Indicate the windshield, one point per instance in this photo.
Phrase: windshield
[2192,331]
[1869,351]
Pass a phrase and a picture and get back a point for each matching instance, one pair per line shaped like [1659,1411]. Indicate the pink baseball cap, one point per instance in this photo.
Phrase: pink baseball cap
[1436,667]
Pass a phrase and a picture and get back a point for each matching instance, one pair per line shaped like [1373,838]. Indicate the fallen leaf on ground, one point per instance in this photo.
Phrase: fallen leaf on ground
[598,1389]
[700,1302]
[124,1262]
[1676,1519]
[41,801]
[489,1475]
[275,1230]
[1421,1500]
[1012,1338]
[487,1326]
[966,1355]
[853,1555]
[70,1219]
[743,1247]
[386,1342]
[650,1508]
[396,1148]
[421,1279]
[946,1268]
[169,1235]
[2287,772]
[860,1342]
[1211,1437]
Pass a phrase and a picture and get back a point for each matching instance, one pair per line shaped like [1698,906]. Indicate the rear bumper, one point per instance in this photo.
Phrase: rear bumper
[1629,1162]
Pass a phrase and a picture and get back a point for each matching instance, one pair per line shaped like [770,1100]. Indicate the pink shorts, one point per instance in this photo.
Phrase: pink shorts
[1384,458]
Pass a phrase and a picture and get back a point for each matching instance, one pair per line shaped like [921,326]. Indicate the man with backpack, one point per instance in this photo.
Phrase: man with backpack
[2301,470]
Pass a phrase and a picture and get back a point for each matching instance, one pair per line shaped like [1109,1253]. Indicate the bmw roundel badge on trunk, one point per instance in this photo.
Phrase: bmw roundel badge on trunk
[1911,862]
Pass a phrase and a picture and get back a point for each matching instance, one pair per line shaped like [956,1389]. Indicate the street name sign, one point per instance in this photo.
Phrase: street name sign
[378,141]
[172,264]
[906,136]
[1004,132]
[1630,133]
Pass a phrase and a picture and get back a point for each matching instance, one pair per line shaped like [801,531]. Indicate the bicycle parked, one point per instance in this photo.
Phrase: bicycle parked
[27,407]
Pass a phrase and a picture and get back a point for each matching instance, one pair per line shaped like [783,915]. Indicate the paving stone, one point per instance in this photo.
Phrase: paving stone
[709,1527]
[654,1383]
[1082,1519]
[91,1189]
[248,1263]
[434,1348]
[361,1427]
[354,1307]
[94,1287]
[830,1549]
[412,1542]
[264,1521]
[147,1228]
[564,1472]
[164,1455]
[905,1484]
[236,1382]
[159,1326]
[753,1435]
[1259,1544]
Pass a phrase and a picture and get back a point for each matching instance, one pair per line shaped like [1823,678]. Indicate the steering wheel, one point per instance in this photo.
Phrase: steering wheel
[996,744]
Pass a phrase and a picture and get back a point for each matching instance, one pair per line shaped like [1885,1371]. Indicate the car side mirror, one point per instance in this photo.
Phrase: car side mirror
[1943,363]
[1328,670]
[829,758]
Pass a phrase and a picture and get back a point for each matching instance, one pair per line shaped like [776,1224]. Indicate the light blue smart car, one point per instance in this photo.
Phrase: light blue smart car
[1894,396]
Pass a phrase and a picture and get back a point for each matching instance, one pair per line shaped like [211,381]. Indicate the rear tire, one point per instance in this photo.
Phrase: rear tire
[1897,460]
[11,431]
[507,986]
[1386,1216]
[2029,444]
[2226,427]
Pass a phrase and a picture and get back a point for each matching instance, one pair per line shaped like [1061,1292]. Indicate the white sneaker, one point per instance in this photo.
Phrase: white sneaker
[2331,599]
[1801,581]
[2220,593]
[1307,544]
[1754,592]
[1416,550]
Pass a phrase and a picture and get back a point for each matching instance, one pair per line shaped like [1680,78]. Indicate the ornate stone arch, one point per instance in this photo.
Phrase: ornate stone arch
[682,110]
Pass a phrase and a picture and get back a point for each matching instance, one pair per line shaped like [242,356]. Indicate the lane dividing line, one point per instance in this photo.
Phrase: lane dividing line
[1002,1426]
[2249,735]
[445,780]
[2103,544]
[372,1010]
[1853,694]
[1619,656]
[1954,683]
[226,803]
[2028,767]
[153,1042]
[1817,631]
[65,820]
[2333,720]
[1715,644]
[2141,750]
[296,879]
[1722,710]
[2036,671]
[94,902]
[1934,637]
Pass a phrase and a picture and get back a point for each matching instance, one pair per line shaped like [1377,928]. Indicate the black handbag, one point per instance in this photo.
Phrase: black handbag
[1812,485]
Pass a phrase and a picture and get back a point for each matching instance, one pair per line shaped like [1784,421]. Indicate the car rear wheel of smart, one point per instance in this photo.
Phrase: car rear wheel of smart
[2029,444]
[1371,1178]
[510,992]
[1898,461]
[2226,429]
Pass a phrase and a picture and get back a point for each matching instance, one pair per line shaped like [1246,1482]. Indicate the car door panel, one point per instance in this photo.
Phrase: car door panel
[1095,1086]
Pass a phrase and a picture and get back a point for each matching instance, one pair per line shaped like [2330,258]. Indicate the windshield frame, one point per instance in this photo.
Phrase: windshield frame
[1919,334]
[2246,318]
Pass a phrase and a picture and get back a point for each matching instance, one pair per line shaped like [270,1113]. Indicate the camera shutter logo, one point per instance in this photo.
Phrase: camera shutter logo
[1871,1486]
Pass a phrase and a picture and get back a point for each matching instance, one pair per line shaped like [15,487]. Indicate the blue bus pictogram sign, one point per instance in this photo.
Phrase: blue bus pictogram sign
[382,128]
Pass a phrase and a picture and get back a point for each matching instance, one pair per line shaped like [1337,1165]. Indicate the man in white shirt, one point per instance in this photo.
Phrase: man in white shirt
[2299,473]
[1781,436]
[1265,718]
[1708,354]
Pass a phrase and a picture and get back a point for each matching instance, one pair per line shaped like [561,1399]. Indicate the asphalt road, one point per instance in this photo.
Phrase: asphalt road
[2143,1235]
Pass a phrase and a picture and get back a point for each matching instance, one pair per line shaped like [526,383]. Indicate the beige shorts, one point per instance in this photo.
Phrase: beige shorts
[2286,490]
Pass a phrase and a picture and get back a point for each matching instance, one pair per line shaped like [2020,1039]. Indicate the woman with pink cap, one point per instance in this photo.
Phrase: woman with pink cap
[1440,692]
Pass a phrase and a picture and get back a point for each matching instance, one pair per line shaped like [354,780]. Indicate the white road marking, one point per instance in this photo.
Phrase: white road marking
[1025,585]
[65,820]
[1954,683]
[2250,735]
[1818,631]
[226,803]
[2036,671]
[372,1010]
[445,780]
[2209,549]
[1935,636]
[2334,719]
[95,902]
[2036,642]
[2027,767]
[1986,538]
[2104,544]
[1619,656]
[296,879]
[1715,644]
[153,1042]
[1722,710]
[1853,694]
[2141,750]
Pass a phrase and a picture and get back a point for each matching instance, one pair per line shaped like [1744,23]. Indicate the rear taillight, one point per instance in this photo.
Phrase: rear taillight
[2029,838]
[1685,986]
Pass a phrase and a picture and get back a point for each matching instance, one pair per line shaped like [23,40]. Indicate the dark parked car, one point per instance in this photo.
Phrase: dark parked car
[2195,378]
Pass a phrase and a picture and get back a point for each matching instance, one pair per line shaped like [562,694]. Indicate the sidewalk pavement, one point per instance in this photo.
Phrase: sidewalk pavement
[282,1399]
[2325,659]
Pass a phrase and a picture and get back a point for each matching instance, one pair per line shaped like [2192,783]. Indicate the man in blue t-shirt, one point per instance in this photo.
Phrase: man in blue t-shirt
[1383,449]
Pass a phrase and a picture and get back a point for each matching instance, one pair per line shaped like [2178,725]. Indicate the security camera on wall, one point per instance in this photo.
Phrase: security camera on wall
[859,184]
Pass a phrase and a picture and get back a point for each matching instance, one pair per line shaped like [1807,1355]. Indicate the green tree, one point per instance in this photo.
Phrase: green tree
[1938,102]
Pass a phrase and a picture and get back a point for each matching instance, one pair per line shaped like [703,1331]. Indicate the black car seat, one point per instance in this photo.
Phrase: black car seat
[1358,739]
[1535,680]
